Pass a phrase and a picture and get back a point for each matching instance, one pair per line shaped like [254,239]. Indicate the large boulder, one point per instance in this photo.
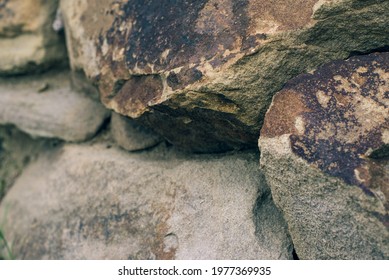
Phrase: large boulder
[202,73]
[325,153]
[46,106]
[98,202]
[28,41]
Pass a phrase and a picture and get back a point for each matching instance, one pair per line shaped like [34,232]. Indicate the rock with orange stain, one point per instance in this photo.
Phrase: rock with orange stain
[202,73]
[325,152]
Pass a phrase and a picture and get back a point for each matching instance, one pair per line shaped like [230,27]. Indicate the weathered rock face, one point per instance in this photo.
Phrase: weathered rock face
[325,152]
[27,39]
[202,73]
[94,202]
[46,106]
[132,136]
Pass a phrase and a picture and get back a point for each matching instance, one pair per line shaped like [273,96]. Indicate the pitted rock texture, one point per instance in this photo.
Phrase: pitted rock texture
[46,106]
[209,68]
[324,149]
[132,136]
[27,39]
[94,202]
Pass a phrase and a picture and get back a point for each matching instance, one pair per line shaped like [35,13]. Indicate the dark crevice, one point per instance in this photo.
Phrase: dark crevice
[294,255]
[379,50]
[104,127]
[382,152]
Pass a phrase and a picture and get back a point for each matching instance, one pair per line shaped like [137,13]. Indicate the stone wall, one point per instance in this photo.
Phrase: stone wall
[129,129]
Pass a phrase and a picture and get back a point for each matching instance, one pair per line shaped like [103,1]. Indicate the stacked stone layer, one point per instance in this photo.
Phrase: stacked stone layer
[101,161]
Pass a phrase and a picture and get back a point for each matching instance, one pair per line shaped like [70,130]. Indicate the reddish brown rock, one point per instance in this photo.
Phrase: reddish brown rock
[209,68]
[324,149]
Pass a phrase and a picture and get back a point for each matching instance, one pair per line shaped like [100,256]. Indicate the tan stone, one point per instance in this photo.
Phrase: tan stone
[27,39]
[46,106]
[95,202]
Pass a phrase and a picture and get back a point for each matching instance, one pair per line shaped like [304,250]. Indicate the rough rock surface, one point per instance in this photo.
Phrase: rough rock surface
[324,149]
[27,39]
[46,106]
[132,136]
[97,202]
[202,73]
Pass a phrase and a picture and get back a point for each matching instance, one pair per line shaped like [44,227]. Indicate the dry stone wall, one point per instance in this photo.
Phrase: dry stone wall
[129,129]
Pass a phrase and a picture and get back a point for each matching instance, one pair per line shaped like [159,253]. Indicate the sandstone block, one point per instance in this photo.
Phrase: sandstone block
[324,150]
[202,73]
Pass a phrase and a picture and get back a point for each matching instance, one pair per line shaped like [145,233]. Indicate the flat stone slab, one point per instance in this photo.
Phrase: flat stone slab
[94,202]
[325,152]
[46,106]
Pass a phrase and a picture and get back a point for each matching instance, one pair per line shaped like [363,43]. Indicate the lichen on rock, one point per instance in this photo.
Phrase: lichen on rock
[217,64]
[333,124]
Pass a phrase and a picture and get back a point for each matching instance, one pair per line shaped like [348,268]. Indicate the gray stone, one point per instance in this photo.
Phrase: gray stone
[131,135]
[46,106]
[93,202]
[202,74]
[28,41]
[324,150]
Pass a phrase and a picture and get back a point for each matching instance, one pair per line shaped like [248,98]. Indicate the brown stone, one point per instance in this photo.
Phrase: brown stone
[330,128]
[214,65]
